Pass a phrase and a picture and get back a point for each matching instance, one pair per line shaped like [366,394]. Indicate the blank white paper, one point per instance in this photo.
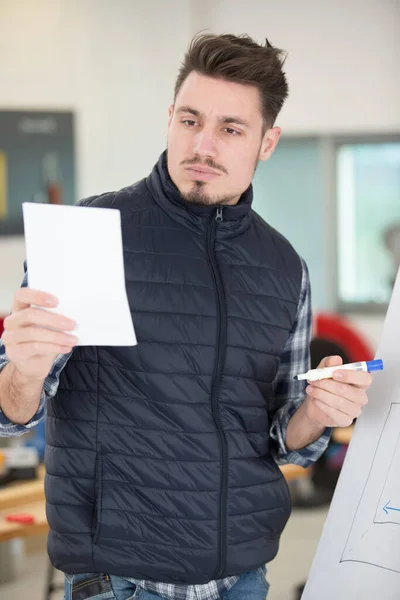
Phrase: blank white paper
[75,253]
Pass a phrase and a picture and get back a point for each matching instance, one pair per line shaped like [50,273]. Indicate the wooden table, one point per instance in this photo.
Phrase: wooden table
[294,472]
[27,497]
[342,435]
[9,530]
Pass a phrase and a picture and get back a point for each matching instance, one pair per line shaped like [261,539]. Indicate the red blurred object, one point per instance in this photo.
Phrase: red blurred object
[1,325]
[54,192]
[23,518]
[337,329]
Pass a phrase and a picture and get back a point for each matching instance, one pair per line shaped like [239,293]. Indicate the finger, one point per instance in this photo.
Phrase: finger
[27,351]
[344,390]
[337,417]
[25,335]
[39,317]
[330,361]
[338,403]
[360,379]
[26,296]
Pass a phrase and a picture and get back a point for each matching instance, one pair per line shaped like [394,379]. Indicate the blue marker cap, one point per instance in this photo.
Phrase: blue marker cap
[374,365]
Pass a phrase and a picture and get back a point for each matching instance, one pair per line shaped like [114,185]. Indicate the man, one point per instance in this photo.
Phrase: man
[162,479]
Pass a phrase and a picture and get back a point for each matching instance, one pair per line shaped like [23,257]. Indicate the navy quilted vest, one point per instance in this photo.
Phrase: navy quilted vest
[158,456]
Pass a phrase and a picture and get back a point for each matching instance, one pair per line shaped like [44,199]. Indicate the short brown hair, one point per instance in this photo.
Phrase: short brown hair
[241,60]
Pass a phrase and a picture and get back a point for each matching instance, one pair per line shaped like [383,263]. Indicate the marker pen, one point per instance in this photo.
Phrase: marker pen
[326,373]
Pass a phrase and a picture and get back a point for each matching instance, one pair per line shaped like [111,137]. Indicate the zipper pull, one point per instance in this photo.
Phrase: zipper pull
[218,216]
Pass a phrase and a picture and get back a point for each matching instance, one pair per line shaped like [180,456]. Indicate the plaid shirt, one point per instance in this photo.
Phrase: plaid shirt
[288,396]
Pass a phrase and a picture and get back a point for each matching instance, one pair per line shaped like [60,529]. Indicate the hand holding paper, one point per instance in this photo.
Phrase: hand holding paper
[33,337]
[75,254]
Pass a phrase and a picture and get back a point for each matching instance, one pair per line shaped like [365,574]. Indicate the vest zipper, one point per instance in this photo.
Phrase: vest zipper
[215,389]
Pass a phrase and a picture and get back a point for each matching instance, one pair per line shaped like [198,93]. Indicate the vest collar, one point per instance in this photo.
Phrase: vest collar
[236,218]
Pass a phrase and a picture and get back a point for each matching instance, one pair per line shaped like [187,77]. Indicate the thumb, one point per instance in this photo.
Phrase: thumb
[330,361]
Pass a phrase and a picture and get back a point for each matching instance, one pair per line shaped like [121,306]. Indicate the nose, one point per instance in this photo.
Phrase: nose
[205,143]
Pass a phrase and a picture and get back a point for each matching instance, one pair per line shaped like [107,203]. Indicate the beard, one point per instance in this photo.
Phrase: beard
[199,196]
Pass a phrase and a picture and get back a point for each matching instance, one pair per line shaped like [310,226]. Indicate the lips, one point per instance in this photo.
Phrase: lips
[202,170]
[202,174]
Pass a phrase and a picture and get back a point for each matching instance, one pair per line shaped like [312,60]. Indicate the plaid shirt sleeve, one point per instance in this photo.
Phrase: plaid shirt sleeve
[9,429]
[289,393]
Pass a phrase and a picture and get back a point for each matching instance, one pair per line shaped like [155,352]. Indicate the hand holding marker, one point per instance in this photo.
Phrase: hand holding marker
[326,373]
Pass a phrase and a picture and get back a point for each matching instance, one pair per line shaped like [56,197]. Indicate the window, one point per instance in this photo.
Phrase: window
[368,203]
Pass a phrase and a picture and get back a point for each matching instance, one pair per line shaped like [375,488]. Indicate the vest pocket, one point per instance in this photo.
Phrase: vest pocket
[98,497]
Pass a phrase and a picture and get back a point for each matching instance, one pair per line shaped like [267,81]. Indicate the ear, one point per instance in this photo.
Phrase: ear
[170,113]
[269,142]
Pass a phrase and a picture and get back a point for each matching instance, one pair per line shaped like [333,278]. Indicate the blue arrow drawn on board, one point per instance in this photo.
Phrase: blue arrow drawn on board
[386,508]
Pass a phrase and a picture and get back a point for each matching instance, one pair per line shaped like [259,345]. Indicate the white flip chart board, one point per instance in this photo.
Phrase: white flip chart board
[358,556]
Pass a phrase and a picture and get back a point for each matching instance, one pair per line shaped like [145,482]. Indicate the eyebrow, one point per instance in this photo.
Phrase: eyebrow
[197,113]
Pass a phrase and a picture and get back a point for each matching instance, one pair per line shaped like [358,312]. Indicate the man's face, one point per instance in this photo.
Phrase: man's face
[215,139]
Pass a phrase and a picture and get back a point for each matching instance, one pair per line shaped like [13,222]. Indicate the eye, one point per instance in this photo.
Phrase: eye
[232,131]
[189,122]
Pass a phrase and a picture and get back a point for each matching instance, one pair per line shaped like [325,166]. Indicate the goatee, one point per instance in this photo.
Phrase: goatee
[199,196]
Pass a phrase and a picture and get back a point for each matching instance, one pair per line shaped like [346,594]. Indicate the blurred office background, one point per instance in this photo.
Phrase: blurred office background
[332,187]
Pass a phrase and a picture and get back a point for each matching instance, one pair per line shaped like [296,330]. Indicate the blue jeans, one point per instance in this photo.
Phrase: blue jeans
[94,586]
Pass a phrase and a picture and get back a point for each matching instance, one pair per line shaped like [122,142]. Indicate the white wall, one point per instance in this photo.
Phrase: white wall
[114,63]
[342,66]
